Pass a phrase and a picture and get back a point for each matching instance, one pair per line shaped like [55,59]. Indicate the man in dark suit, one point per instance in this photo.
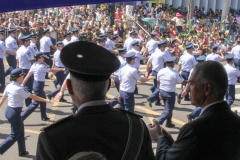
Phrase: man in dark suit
[96,126]
[215,134]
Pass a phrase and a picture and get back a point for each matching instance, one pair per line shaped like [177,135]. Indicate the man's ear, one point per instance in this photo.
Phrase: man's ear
[69,86]
[208,89]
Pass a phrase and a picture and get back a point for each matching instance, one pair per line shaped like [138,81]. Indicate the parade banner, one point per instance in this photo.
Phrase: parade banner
[129,10]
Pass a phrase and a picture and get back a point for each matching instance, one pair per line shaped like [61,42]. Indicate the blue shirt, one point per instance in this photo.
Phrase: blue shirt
[109,44]
[128,43]
[45,43]
[151,46]
[236,52]
[157,60]
[39,71]
[128,77]
[33,49]
[232,73]
[11,44]
[3,49]
[214,57]
[138,57]
[57,60]
[16,94]
[168,78]
[187,61]
[123,63]
[24,57]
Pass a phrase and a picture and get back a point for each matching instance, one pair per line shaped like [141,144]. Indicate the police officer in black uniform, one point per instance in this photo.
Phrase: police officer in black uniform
[96,126]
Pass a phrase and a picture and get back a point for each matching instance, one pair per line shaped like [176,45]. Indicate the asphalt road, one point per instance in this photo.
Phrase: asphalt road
[58,110]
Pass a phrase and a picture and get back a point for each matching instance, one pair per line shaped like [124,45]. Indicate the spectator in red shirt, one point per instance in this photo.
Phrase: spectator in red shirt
[118,14]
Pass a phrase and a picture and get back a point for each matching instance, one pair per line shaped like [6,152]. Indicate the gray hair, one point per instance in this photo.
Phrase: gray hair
[215,74]
[87,91]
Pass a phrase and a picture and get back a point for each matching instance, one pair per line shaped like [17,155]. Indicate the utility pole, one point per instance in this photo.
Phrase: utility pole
[190,9]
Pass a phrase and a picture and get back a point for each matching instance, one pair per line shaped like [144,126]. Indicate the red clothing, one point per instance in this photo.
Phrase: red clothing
[118,15]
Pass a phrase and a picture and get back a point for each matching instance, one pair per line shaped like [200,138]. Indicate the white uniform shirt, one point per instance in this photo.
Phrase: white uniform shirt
[74,39]
[3,49]
[187,61]
[45,43]
[24,57]
[157,60]
[167,53]
[236,52]
[232,73]
[33,49]
[168,78]
[57,60]
[11,44]
[123,63]
[214,57]
[128,43]
[138,57]
[151,46]
[128,76]
[109,44]
[16,94]
[39,71]
[66,42]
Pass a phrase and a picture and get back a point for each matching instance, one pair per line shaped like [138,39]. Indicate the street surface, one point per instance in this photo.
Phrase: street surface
[59,110]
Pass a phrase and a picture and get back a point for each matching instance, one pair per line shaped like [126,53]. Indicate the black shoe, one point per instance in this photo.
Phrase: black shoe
[24,153]
[62,100]
[55,84]
[49,96]
[149,102]
[170,125]
[178,100]
[45,119]
[190,118]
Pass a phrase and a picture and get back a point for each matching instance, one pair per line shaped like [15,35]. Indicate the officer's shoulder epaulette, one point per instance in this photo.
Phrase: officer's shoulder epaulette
[58,122]
[137,115]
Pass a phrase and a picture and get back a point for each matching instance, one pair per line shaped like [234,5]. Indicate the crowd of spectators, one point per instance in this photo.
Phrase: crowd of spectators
[205,29]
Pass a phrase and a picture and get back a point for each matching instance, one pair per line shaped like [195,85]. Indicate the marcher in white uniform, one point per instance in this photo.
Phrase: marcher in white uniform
[61,75]
[39,70]
[154,65]
[110,44]
[136,47]
[151,45]
[128,42]
[129,76]
[33,48]
[3,50]
[121,58]
[74,37]
[236,52]
[167,79]
[214,56]
[45,45]
[67,39]
[15,94]
[186,63]
[25,59]
[11,44]
[232,73]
